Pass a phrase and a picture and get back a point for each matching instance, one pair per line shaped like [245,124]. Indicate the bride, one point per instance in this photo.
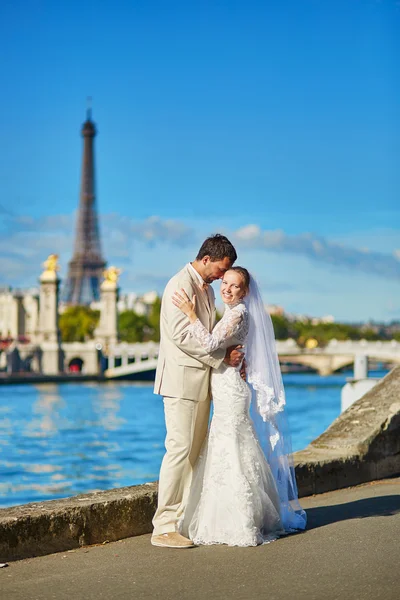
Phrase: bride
[243,490]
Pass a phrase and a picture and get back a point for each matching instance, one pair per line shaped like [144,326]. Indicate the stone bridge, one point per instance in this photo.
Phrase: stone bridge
[125,359]
[337,355]
[128,359]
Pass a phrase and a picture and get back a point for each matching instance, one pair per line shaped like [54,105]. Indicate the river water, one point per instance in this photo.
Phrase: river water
[64,439]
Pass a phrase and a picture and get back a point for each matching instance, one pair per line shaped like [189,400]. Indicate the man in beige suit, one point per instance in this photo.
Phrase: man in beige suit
[183,378]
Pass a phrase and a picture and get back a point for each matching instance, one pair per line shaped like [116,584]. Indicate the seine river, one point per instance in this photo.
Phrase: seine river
[61,440]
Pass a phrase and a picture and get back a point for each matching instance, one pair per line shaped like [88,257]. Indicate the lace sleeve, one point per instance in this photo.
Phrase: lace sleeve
[228,327]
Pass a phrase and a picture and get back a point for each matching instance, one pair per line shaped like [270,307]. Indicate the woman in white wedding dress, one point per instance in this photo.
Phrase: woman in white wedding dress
[243,490]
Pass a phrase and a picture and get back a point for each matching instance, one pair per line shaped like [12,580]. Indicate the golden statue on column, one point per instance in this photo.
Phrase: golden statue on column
[111,276]
[51,267]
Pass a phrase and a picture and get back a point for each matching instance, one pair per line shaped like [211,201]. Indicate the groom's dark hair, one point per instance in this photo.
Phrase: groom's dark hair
[217,247]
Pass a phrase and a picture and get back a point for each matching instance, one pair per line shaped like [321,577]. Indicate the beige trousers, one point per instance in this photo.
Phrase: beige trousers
[187,423]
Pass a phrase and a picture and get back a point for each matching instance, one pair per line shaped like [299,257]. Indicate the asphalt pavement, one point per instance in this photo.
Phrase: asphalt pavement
[350,551]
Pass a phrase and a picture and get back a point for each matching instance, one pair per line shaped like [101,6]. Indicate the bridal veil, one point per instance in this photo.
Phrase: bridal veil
[268,407]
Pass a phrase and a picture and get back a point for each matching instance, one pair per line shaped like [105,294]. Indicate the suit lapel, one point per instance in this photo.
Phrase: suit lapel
[200,296]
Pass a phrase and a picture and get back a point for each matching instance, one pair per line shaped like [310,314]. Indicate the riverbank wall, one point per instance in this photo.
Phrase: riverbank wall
[33,378]
[362,445]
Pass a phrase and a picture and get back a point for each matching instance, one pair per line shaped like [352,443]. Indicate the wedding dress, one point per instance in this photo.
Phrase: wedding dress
[234,498]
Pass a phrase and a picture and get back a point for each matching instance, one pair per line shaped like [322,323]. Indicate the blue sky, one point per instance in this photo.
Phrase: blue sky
[275,122]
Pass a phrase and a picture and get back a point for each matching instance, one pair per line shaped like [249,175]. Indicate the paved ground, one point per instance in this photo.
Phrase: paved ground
[350,551]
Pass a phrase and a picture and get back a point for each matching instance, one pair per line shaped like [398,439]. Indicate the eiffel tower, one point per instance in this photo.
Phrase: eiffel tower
[87,264]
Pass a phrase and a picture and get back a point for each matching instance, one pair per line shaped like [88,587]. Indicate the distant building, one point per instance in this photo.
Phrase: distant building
[141,305]
[275,310]
[19,313]
[313,320]
[324,320]
[30,337]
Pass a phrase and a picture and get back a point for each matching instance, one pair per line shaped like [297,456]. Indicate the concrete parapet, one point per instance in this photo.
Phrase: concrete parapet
[361,445]
[59,525]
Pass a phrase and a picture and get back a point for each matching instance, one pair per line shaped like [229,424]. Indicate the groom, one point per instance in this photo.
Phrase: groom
[183,378]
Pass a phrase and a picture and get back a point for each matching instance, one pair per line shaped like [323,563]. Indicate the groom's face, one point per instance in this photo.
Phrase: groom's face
[214,270]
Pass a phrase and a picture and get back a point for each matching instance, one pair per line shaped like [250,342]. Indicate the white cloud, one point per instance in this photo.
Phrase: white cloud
[249,232]
[26,242]
[154,229]
[317,248]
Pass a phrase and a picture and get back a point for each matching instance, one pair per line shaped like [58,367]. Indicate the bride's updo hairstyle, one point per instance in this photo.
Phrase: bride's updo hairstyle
[245,276]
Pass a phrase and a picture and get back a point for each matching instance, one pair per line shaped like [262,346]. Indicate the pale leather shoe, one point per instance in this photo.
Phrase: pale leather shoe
[171,540]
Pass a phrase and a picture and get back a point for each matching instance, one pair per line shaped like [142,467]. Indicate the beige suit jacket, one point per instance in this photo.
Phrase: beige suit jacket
[183,369]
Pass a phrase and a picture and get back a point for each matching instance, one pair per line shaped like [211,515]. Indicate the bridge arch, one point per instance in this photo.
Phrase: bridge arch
[75,365]
[324,364]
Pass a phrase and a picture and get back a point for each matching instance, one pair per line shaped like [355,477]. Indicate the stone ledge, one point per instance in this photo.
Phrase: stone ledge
[59,525]
[361,445]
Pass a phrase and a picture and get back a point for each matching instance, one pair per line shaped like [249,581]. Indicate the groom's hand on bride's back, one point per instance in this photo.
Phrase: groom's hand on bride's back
[233,356]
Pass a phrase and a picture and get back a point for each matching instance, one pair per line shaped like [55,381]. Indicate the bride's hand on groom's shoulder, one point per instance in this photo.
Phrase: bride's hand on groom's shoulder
[182,301]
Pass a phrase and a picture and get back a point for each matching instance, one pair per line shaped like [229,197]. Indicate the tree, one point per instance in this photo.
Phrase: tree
[154,320]
[324,332]
[133,327]
[281,327]
[370,334]
[77,323]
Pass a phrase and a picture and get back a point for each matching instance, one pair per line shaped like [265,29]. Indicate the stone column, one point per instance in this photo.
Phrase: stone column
[359,385]
[360,366]
[49,333]
[107,330]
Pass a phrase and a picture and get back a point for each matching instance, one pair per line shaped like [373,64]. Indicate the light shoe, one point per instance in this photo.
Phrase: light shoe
[172,539]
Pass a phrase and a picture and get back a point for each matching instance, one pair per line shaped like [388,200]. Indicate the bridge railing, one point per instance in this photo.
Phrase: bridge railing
[124,354]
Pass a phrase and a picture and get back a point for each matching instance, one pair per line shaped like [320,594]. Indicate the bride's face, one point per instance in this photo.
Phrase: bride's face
[232,287]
